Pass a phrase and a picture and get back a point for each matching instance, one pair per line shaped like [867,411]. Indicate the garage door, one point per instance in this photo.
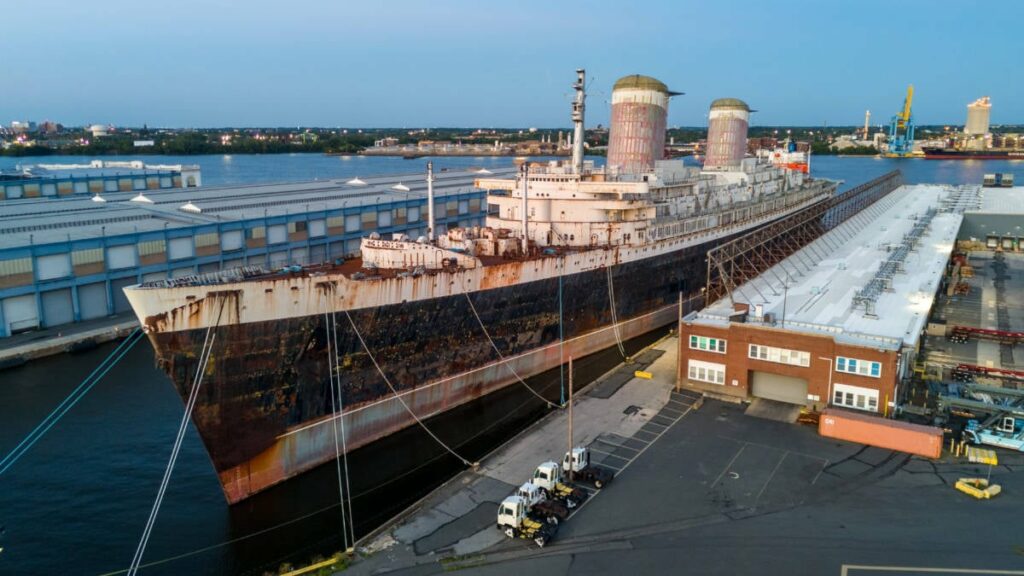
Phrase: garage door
[57,308]
[20,313]
[92,300]
[778,387]
[120,300]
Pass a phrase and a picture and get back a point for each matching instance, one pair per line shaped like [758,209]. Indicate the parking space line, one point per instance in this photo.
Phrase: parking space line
[816,476]
[630,448]
[652,423]
[624,459]
[759,445]
[926,570]
[729,465]
[770,476]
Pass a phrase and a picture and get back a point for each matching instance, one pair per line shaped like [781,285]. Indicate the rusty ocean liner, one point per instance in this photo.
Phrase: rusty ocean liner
[573,260]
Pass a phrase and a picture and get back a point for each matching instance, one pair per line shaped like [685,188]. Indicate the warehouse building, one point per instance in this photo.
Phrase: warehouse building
[840,321]
[66,260]
[138,177]
[996,220]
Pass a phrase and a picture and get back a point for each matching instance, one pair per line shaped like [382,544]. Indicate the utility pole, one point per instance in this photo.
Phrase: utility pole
[570,420]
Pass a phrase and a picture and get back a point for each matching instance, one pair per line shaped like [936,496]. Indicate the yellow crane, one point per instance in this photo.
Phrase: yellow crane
[901,129]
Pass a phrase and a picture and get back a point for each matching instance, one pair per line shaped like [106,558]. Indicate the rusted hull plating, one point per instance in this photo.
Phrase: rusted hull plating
[264,410]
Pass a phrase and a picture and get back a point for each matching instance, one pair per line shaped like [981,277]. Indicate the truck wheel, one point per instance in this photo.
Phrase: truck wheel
[598,483]
[540,541]
[553,520]
[571,503]
[510,532]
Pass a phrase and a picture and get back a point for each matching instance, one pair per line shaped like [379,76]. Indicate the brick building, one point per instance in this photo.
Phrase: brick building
[839,322]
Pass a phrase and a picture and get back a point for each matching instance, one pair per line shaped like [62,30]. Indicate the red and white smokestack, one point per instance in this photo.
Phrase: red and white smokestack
[727,134]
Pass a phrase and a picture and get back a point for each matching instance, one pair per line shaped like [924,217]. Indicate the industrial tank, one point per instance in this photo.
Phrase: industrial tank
[636,136]
[977,116]
[727,134]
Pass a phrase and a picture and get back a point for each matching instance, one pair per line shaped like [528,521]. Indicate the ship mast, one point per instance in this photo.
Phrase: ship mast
[577,121]
[430,201]
[526,189]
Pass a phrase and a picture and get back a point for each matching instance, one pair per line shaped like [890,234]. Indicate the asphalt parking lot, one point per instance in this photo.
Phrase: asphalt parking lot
[724,493]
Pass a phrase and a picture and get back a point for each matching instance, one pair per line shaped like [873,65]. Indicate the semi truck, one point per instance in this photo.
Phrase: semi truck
[514,519]
[577,465]
[540,506]
[550,478]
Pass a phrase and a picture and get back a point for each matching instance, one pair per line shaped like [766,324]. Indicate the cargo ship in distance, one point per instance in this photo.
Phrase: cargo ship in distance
[573,260]
[936,153]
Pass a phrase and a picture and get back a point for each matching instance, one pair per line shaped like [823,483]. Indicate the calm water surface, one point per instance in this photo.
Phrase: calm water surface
[77,502]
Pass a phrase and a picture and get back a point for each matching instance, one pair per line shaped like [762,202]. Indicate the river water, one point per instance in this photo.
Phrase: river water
[78,501]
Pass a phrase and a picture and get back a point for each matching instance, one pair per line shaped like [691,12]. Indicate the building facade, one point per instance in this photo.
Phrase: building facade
[742,361]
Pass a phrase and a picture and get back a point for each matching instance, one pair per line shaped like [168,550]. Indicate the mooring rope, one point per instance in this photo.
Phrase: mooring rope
[399,397]
[331,362]
[204,357]
[502,357]
[69,402]
[344,441]
[615,317]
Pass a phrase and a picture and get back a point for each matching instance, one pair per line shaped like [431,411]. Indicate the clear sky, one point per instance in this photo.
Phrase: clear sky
[404,63]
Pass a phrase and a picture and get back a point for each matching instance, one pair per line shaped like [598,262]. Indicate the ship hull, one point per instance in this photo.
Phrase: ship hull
[408,347]
[954,154]
[264,409]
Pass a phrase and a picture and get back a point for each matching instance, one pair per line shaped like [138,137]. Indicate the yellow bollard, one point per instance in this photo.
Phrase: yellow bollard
[952,445]
[642,374]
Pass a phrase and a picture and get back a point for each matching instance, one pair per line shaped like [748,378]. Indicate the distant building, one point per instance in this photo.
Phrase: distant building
[143,143]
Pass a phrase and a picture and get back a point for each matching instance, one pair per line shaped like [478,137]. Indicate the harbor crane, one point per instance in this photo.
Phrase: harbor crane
[901,130]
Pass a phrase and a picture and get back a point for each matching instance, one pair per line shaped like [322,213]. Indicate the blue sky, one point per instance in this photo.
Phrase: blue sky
[403,63]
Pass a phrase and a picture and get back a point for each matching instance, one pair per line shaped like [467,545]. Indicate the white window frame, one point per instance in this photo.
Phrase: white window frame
[707,372]
[861,367]
[779,355]
[856,397]
[705,343]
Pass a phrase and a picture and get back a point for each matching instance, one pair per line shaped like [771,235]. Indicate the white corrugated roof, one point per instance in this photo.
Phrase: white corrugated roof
[816,285]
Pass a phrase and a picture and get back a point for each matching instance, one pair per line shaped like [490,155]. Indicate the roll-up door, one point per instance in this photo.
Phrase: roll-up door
[120,300]
[318,253]
[778,387]
[53,266]
[57,307]
[278,259]
[231,240]
[209,267]
[317,228]
[119,257]
[20,313]
[179,248]
[277,234]
[299,256]
[236,263]
[92,300]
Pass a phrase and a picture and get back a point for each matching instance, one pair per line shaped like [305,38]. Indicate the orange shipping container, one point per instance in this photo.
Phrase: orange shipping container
[874,431]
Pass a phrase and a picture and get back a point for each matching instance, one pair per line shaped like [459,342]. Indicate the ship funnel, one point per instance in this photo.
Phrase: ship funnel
[727,134]
[636,138]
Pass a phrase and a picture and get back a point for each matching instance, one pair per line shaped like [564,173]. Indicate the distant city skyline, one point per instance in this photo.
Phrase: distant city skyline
[456,63]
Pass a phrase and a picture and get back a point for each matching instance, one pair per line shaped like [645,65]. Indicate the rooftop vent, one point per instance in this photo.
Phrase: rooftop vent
[401,187]
[484,171]
[190,207]
[142,198]
[356,182]
[98,198]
